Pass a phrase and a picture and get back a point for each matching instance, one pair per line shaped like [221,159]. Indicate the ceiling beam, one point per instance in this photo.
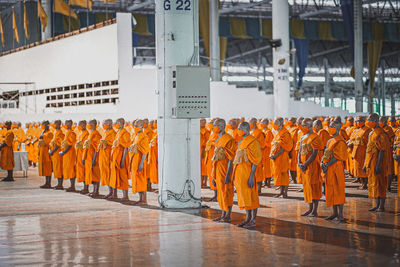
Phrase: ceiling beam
[242,6]
[256,50]
[139,6]
[327,52]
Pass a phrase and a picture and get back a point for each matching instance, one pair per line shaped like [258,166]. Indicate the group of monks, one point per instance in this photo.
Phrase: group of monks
[240,155]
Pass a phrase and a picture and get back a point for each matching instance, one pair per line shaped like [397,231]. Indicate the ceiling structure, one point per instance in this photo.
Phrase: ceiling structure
[244,64]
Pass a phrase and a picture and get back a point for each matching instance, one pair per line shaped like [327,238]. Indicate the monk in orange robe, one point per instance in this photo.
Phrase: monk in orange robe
[68,153]
[139,150]
[248,156]
[296,149]
[19,136]
[149,132]
[209,150]
[376,162]
[27,141]
[282,144]
[105,154]
[35,134]
[332,165]
[232,129]
[267,169]
[322,133]
[44,164]
[390,166]
[7,154]
[309,164]
[259,135]
[80,167]
[91,158]
[204,136]
[293,130]
[358,142]
[119,161]
[56,159]
[153,156]
[349,128]
[225,149]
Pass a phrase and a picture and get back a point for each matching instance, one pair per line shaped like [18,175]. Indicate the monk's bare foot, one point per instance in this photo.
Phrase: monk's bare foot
[112,197]
[308,212]
[284,196]
[70,189]
[250,224]
[381,210]
[94,195]
[108,196]
[278,196]
[59,187]
[141,203]
[242,224]
[300,190]
[213,199]
[8,179]
[218,219]
[84,192]
[226,220]
[124,199]
[373,209]
[330,218]
[155,191]
[278,188]
[341,220]
[45,186]
[356,181]
[313,215]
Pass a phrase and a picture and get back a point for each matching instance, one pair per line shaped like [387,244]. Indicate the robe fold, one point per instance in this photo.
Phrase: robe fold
[119,176]
[105,156]
[45,167]
[69,159]
[281,164]
[56,159]
[139,148]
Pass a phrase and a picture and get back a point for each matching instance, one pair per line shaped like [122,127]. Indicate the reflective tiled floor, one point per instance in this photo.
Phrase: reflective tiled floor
[48,227]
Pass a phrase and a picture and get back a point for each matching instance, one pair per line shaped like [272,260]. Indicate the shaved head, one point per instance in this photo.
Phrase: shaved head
[307,122]
[373,117]
[245,126]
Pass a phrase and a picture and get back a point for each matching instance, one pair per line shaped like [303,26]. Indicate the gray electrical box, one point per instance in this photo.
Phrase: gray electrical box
[190,92]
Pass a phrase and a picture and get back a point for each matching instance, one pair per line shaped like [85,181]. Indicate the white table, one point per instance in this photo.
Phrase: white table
[21,162]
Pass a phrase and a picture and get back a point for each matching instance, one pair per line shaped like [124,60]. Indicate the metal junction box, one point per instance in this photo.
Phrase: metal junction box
[190,92]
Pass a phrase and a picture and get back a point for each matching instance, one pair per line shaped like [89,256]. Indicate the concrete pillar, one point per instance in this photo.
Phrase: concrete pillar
[49,29]
[179,139]
[214,41]
[358,54]
[392,105]
[280,30]
[383,90]
[327,89]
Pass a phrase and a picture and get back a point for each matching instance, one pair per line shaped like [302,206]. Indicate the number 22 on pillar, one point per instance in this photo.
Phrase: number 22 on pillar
[177,5]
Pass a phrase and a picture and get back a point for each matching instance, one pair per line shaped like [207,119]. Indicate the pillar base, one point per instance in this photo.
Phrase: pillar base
[185,203]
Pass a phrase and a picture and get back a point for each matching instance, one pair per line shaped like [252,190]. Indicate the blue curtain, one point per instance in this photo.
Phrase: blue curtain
[348,20]
[302,48]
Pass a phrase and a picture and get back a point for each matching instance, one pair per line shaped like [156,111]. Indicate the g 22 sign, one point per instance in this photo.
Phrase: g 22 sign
[177,5]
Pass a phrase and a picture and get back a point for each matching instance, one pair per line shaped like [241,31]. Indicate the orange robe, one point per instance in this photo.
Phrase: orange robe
[209,150]
[225,148]
[312,181]
[281,164]
[267,167]
[248,153]
[396,151]
[204,136]
[349,161]
[377,183]
[389,131]
[28,141]
[44,167]
[324,135]
[294,135]
[36,132]
[234,134]
[7,154]
[259,135]
[296,152]
[90,147]
[56,159]
[334,176]
[80,168]
[105,156]
[69,159]
[19,137]
[153,159]
[119,176]
[139,148]
[359,140]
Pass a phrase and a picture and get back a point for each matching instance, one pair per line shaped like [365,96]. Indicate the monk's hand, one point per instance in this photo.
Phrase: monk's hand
[50,153]
[93,162]
[83,162]
[303,167]
[227,179]
[364,169]
[140,166]
[214,183]
[272,156]
[324,167]
[290,154]
[396,157]
[250,182]
[122,165]
[61,153]
[377,170]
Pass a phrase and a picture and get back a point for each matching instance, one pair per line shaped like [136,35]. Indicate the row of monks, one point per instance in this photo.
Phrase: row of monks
[241,155]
